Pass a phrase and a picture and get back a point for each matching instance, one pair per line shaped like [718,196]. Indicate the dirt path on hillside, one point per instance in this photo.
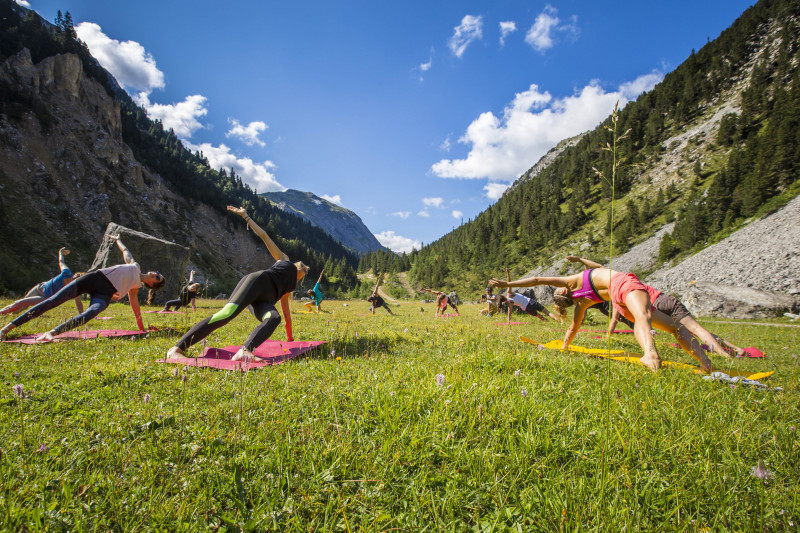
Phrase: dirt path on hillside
[370,277]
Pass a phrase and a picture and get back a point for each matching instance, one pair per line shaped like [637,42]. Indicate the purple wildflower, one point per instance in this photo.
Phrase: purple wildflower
[16,374]
[732,386]
[333,353]
[42,448]
[541,347]
[516,372]
[183,378]
[440,379]
[405,330]
[175,372]
[146,399]
[760,472]
[524,391]
[19,391]
[791,428]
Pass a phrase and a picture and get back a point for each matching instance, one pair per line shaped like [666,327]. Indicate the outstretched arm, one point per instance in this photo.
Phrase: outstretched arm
[375,290]
[614,319]
[287,316]
[126,254]
[588,263]
[529,282]
[320,275]
[61,263]
[133,298]
[274,251]
[191,278]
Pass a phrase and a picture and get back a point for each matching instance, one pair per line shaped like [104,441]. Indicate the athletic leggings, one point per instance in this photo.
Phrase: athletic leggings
[177,303]
[256,290]
[95,284]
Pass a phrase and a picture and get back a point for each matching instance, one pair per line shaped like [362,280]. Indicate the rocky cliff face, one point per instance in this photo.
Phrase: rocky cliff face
[342,224]
[65,174]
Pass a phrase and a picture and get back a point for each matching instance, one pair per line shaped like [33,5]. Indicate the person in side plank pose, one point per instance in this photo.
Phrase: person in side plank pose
[46,289]
[315,294]
[442,301]
[259,291]
[103,286]
[375,300]
[187,294]
[626,292]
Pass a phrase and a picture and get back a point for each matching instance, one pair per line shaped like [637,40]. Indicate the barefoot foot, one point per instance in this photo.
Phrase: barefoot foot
[653,362]
[243,355]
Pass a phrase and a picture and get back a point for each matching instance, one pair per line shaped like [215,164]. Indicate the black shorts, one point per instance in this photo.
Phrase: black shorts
[669,305]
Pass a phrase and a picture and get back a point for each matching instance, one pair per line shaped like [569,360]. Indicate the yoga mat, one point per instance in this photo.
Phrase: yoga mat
[603,330]
[166,312]
[274,352]
[509,323]
[751,351]
[628,357]
[75,335]
[448,315]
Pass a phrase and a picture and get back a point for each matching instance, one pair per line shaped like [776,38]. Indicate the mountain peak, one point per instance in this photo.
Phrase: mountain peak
[339,222]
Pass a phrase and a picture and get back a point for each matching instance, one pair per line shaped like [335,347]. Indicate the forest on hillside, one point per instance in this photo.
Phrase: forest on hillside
[189,174]
[568,201]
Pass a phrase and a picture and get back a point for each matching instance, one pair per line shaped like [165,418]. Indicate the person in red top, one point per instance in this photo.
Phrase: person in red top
[627,293]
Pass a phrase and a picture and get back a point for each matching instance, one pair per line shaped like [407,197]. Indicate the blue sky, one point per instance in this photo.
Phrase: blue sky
[415,115]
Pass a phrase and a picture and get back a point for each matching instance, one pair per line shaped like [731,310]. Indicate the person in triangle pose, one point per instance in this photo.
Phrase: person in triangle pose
[626,292]
[103,286]
[315,294]
[259,291]
[442,301]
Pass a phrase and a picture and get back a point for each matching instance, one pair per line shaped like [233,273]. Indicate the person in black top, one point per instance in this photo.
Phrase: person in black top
[188,294]
[376,300]
[259,291]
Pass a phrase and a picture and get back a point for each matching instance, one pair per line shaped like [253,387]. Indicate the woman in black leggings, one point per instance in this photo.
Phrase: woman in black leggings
[258,290]
[103,286]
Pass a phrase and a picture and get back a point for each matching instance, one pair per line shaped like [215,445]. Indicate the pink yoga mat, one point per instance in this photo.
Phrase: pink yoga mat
[509,323]
[166,312]
[603,330]
[751,351]
[274,352]
[448,315]
[73,335]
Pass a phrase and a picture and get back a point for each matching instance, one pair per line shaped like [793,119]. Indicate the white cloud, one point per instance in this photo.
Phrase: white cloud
[540,35]
[397,243]
[248,134]
[426,66]
[495,190]
[24,3]
[470,29]
[336,199]
[181,117]
[132,66]
[502,148]
[433,202]
[632,89]
[506,28]
[457,214]
[424,213]
[401,214]
[446,144]
[257,175]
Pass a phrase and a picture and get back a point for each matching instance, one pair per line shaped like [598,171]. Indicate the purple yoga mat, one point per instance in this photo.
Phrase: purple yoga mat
[273,352]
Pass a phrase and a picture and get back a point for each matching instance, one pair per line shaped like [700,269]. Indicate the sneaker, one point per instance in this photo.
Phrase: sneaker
[4,332]
[174,353]
[45,337]
[243,355]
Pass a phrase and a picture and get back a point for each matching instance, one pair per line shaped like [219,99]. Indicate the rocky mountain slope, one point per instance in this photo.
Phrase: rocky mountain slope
[65,173]
[342,224]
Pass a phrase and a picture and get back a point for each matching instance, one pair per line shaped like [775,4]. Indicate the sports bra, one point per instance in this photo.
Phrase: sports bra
[587,289]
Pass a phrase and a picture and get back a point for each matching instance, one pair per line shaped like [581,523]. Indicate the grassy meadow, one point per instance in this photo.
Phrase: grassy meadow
[398,423]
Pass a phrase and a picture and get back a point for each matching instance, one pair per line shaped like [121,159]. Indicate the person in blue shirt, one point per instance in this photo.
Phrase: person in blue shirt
[315,294]
[46,289]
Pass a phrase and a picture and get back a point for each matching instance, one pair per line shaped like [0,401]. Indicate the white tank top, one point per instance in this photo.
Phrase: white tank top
[123,278]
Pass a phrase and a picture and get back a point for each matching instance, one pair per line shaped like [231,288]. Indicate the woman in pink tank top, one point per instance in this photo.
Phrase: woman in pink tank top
[634,298]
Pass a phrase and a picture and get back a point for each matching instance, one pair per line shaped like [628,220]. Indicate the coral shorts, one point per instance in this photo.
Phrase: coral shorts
[622,285]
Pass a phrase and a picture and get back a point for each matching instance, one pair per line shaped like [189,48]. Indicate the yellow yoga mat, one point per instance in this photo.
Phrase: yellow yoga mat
[629,357]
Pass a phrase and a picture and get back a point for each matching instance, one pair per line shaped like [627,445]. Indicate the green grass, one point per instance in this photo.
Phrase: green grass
[358,436]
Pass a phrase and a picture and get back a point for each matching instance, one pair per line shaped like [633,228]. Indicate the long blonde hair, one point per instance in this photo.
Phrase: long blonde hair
[562,302]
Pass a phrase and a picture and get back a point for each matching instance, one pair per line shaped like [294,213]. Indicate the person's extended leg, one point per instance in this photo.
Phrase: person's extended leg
[97,304]
[707,337]
[309,306]
[686,341]
[638,303]
[170,303]
[21,304]
[386,306]
[270,319]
